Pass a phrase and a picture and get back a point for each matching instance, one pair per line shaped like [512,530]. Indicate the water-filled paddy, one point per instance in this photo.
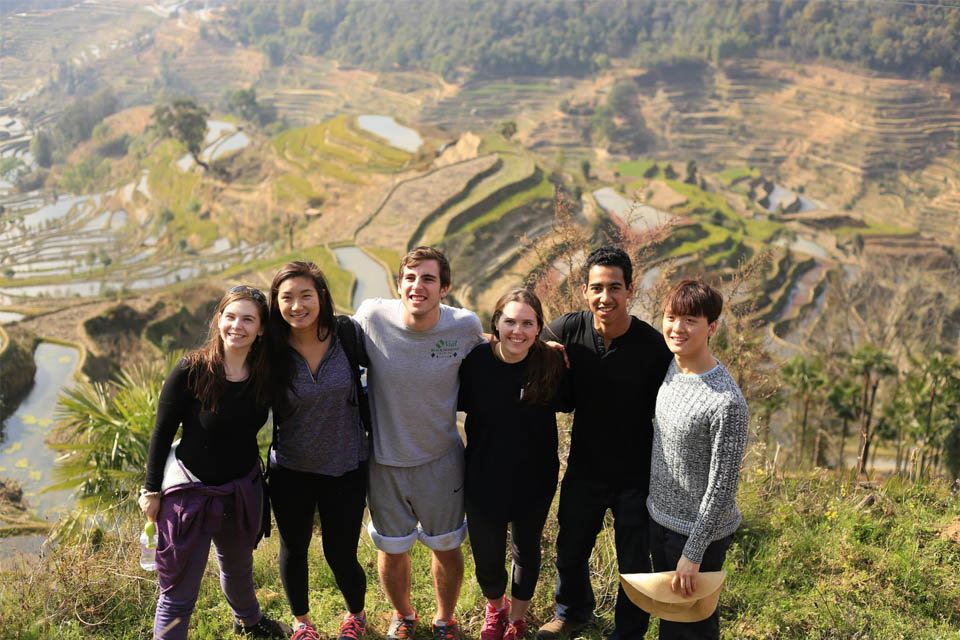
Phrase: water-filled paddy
[24,454]
[372,280]
[392,131]
[781,195]
[636,214]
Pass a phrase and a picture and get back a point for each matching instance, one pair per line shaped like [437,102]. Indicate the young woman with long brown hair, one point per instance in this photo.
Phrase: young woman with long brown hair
[208,487]
[510,390]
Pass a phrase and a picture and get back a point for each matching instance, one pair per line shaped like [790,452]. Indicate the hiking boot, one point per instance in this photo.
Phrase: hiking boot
[558,629]
[401,628]
[353,627]
[494,622]
[448,631]
[265,628]
[516,630]
[305,631]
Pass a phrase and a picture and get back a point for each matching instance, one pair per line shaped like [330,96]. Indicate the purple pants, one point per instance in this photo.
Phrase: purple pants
[177,601]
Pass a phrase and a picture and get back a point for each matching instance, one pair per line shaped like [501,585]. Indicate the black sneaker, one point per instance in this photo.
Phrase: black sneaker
[265,628]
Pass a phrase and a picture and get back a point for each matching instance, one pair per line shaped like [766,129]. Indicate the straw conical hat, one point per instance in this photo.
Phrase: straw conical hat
[652,593]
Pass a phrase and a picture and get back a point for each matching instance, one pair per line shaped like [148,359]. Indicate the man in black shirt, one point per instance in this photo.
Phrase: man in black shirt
[617,363]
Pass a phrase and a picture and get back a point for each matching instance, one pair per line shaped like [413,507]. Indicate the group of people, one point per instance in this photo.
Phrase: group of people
[658,435]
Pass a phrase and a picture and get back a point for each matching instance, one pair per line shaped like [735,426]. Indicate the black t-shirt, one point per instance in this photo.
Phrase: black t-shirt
[511,454]
[615,394]
[215,447]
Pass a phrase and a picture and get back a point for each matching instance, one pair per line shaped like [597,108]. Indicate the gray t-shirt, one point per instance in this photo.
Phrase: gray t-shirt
[413,380]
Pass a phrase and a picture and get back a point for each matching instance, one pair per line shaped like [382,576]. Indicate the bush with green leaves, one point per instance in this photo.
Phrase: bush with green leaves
[107,430]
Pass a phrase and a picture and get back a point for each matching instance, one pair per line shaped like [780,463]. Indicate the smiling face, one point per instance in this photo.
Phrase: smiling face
[687,335]
[517,328]
[420,289]
[239,325]
[606,295]
[299,302]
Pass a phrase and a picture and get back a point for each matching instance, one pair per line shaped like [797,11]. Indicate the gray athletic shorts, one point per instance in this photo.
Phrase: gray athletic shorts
[425,502]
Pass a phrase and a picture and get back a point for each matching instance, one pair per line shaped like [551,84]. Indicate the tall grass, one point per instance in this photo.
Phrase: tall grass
[816,557]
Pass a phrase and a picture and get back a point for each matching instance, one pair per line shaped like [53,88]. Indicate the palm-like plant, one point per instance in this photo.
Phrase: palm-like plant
[806,378]
[937,377]
[108,428]
[843,398]
[872,364]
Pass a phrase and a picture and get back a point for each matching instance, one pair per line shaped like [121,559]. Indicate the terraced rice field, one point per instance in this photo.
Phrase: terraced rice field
[514,170]
[87,33]
[481,104]
[831,130]
[314,90]
[334,151]
[395,222]
[92,245]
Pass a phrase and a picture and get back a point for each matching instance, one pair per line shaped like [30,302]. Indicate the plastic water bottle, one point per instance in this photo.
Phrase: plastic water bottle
[148,546]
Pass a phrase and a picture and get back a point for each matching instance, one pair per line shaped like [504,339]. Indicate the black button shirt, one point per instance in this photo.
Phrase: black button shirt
[615,394]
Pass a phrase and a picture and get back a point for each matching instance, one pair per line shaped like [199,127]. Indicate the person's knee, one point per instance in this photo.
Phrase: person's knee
[175,607]
[528,560]
[342,564]
[450,557]
[394,559]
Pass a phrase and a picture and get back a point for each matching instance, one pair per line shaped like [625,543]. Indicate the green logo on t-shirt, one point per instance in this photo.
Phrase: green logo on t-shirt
[444,349]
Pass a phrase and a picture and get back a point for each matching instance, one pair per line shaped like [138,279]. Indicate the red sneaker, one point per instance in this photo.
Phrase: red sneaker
[305,631]
[516,629]
[353,627]
[494,622]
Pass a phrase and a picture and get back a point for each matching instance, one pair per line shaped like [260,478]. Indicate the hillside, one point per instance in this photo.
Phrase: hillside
[804,156]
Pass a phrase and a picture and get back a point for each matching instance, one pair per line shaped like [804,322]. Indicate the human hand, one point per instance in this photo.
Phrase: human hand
[150,504]
[685,577]
[559,347]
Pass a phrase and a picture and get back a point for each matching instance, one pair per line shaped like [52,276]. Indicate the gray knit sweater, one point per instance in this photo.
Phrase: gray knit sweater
[699,436]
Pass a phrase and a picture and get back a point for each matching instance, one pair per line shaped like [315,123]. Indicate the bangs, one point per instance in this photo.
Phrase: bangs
[693,298]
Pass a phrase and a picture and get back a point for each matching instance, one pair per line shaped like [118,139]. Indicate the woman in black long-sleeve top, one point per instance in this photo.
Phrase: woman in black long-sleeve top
[209,489]
[510,390]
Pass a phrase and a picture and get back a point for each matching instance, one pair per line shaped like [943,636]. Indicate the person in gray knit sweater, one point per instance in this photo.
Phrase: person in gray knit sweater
[699,437]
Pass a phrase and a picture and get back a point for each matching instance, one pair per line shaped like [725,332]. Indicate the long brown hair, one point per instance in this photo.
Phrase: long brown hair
[282,360]
[544,365]
[206,376]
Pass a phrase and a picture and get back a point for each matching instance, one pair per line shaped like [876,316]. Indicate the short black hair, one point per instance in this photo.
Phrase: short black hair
[608,256]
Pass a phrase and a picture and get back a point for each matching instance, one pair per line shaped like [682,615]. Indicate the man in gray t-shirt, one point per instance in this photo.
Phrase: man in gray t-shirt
[415,346]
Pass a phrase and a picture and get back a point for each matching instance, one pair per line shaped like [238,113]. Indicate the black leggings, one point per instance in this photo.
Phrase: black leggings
[488,538]
[339,501]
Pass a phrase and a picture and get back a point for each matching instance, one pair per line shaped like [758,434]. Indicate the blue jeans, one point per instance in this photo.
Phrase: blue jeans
[666,547]
[583,504]
[177,601]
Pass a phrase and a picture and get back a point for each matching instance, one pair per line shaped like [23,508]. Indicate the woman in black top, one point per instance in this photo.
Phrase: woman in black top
[209,487]
[510,390]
